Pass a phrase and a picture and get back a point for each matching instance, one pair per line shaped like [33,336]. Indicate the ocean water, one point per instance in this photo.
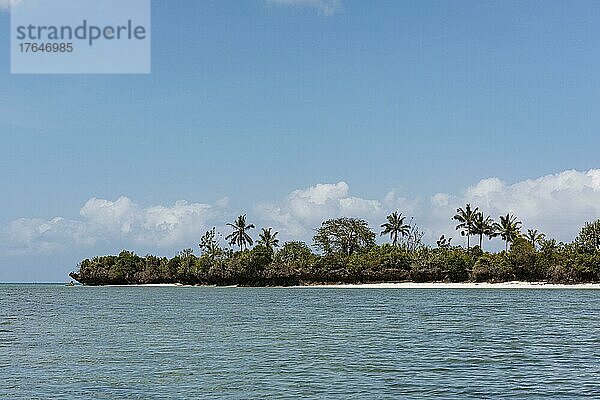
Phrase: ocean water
[239,343]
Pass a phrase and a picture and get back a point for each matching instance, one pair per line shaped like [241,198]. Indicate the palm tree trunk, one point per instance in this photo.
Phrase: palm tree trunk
[481,242]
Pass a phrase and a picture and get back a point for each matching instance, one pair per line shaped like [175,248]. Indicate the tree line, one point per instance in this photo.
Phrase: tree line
[348,253]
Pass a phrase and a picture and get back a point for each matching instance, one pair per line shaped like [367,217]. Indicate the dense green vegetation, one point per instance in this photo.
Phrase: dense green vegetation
[348,253]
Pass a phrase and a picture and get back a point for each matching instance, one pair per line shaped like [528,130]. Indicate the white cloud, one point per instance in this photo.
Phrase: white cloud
[303,210]
[440,200]
[170,226]
[34,235]
[557,204]
[159,226]
[110,216]
[119,223]
[325,7]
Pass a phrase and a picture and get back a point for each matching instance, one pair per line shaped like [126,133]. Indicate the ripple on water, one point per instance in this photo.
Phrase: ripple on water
[289,343]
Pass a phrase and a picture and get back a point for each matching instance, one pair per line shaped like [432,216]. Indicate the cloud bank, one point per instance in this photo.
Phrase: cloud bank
[325,7]
[557,204]
[303,210]
[114,223]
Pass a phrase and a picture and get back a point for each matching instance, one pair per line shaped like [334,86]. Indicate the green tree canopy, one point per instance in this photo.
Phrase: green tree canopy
[344,236]
[294,252]
[588,239]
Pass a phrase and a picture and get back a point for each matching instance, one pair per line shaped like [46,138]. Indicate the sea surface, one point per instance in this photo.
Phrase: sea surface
[60,342]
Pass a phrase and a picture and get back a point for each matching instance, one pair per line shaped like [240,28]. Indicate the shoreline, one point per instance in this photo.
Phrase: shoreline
[461,285]
[403,285]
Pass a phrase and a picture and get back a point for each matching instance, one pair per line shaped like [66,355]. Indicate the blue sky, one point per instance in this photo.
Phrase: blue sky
[252,100]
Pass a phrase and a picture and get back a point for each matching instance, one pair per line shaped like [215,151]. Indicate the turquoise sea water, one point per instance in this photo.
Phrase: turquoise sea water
[187,342]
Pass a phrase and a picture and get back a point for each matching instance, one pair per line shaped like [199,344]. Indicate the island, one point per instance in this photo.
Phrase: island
[348,253]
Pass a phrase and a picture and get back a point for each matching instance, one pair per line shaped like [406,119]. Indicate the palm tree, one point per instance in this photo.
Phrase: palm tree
[483,226]
[466,219]
[395,226]
[268,239]
[239,236]
[444,243]
[508,228]
[535,237]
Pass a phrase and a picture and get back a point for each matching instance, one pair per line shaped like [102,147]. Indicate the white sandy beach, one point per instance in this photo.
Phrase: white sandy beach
[414,285]
[463,285]
[149,285]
